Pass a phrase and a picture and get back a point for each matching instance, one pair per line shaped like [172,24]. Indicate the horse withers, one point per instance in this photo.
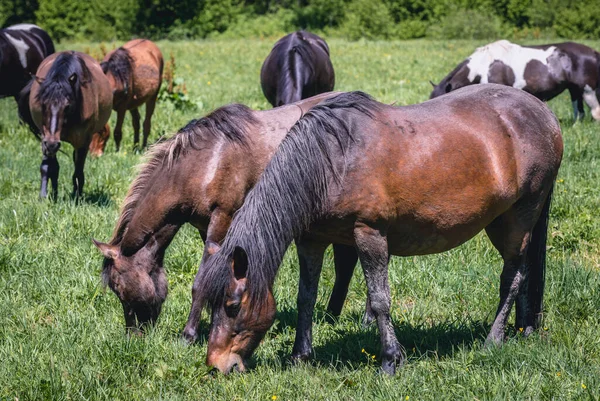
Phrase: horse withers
[200,176]
[70,100]
[134,71]
[404,181]
[298,67]
[545,71]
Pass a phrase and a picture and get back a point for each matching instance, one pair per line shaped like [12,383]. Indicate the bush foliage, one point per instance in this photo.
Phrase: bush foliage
[354,19]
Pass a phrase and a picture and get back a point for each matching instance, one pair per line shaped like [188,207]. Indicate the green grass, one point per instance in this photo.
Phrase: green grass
[62,334]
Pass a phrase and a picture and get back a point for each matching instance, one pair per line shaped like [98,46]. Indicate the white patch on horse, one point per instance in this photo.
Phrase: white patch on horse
[53,121]
[589,95]
[21,47]
[512,55]
[23,27]
[212,165]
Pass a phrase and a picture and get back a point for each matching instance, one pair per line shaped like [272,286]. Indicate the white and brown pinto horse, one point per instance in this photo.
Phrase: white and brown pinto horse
[404,181]
[545,71]
[70,100]
[22,49]
[134,71]
[297,68]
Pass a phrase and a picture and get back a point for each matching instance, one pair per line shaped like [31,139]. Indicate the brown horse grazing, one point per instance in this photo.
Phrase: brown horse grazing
[135,75]
[70,100]
[201,176]
[99,140]
[298,67]
[545,71]
[404,181]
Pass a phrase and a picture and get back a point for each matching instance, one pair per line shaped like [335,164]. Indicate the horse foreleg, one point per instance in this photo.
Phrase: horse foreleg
[217,228]
[148,118]
[589,95]
[373,253]
[118,135]
[310,255]
[79,156]
[577,102]
[345,258]
[49,171]
[135,120]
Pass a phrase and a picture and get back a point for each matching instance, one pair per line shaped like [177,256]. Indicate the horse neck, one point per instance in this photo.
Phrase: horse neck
[158,205]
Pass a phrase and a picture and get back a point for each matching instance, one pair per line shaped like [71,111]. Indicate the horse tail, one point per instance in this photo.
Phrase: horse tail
[536,258]
[25,111]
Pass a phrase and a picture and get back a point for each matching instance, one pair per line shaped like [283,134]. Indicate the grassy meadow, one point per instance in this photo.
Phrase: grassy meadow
[62,334]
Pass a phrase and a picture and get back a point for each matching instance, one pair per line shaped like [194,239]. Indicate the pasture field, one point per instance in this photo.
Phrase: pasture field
[62,335]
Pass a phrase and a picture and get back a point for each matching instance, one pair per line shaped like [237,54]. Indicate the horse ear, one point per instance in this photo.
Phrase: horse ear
[240,263]
[73,79]
[211,247]
[432,84]
[448,87]
[108,251]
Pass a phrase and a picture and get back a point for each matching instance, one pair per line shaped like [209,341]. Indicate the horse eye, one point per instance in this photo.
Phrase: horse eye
[232,308]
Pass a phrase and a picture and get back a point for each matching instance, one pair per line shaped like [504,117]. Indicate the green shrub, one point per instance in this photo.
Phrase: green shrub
[319,14]
[268,25]
[411,29]
[17,11]
[580,21]
[467,24]
[367,19]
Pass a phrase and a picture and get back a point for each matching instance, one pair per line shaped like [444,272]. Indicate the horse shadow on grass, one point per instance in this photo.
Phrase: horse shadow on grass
[96,197]
[351,345]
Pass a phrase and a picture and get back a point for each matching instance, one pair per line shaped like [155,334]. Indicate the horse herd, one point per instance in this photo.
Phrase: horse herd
[320,168]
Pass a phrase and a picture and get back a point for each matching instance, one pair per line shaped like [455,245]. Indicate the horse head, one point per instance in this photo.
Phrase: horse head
[138,279]
[238,322]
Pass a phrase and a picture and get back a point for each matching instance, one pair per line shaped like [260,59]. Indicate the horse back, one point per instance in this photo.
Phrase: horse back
[450,165]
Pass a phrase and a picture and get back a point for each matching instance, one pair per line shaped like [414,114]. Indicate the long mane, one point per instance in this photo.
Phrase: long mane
[119,65]
[230,123]
[290,195]
[56,86]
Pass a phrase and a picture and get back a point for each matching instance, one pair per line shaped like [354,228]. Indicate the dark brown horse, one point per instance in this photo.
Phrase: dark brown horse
[404,181]
[298,67]
[70,100]
[22,49]
[545,71]
[201,176]
[135,75]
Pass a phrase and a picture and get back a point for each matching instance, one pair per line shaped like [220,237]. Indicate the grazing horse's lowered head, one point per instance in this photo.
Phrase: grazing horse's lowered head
[545,71]
[298,67]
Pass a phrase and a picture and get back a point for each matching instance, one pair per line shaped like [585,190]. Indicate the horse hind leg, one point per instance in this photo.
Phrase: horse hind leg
[519,235]
[577,101]
[135,121]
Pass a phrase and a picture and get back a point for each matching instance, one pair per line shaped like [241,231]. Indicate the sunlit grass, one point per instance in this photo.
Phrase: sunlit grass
[62,336]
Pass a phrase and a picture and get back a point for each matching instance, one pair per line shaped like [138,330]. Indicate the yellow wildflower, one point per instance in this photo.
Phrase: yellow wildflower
[273,397]
[583,386]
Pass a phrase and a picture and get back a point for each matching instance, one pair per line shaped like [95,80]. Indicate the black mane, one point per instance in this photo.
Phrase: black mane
[56,86]
[290,195]
[119,65]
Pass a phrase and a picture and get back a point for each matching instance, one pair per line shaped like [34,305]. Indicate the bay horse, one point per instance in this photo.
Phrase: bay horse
[545,71]
[22,49]
[404,181]
[200,176]
[134,71]
[297,67]
[70,100]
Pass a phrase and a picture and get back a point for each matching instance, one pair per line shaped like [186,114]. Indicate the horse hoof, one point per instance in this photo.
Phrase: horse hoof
[299,357]
[494,340]
[189,336]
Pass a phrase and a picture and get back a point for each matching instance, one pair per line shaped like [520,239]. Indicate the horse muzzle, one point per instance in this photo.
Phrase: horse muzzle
[50,148]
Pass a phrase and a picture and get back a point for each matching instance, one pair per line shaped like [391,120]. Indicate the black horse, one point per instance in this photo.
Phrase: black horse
[22,49]
[545,71]
[298,67]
